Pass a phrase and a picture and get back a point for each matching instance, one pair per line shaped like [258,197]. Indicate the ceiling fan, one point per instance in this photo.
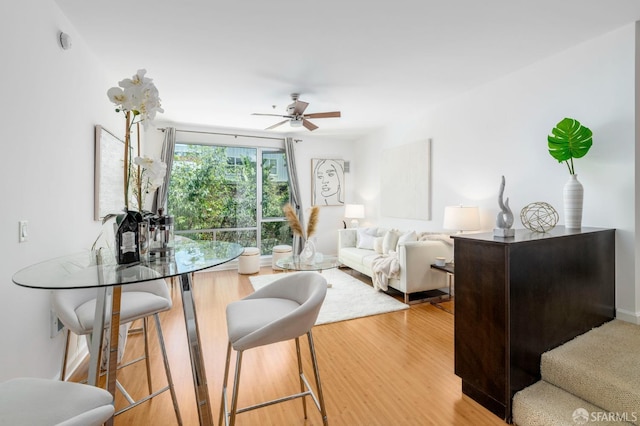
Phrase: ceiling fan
[296,117]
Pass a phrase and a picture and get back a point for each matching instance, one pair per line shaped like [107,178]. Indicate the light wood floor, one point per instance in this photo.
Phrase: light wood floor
[390,369]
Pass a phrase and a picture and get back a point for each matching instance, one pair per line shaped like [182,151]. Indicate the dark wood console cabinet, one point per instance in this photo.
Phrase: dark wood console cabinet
[521,296]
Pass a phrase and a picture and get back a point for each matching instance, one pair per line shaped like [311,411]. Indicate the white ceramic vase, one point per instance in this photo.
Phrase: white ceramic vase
[308,253]
[573,194]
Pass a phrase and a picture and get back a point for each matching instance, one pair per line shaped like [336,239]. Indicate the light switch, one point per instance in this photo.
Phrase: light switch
[22,231]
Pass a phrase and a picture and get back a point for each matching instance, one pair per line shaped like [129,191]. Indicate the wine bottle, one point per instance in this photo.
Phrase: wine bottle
[128,238]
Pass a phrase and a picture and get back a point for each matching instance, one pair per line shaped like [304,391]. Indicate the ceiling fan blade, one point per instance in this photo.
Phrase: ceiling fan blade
[277,124]
[271,115]
[309,125]
[332,114]
[299,107]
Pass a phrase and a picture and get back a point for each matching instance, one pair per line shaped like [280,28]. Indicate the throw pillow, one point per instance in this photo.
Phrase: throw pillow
[390,241]
[377,245]
[404,238]
[434,236]
[366,237]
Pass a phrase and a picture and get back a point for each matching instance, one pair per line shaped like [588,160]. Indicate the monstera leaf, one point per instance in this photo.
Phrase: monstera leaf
[569,140]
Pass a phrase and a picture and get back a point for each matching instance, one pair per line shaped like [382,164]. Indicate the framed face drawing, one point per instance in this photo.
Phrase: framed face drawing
[327,182]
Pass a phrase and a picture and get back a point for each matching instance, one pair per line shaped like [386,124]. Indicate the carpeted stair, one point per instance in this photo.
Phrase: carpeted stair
[593,379]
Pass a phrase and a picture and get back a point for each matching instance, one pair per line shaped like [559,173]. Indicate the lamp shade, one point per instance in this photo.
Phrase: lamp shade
[354,211]
[461,218]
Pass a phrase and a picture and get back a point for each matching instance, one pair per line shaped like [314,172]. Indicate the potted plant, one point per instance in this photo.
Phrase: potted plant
[138,99]
[568,140]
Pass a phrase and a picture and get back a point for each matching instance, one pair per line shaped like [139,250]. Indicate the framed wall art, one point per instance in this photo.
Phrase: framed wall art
[327,182]
[405,181]
[109,173]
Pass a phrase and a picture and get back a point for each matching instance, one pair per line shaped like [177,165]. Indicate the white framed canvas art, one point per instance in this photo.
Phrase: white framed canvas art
[109,174]
[405,181]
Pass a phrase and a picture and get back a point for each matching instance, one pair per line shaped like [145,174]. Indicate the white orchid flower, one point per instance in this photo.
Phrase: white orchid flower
[139,99]
[117,95]
[153,172]
[137,95]
[137,80]
[144,162]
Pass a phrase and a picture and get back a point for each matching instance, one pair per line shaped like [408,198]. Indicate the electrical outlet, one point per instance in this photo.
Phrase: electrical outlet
[56,325]
[23,233]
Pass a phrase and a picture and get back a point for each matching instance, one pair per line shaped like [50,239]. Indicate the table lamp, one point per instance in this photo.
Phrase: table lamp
[355,212]
[461,218]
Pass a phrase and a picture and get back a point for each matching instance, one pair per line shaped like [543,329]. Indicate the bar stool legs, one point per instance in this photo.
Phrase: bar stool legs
[132,403]
[228,416]
[316,372]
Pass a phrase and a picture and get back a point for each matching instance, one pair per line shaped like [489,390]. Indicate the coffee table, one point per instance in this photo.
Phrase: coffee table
[293,263]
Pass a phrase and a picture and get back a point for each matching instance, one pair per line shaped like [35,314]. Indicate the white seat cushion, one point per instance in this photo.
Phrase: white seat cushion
[367,260]
[133,305]
[250,251]
[355,255]
[246,316]
[283,248]
[40,402]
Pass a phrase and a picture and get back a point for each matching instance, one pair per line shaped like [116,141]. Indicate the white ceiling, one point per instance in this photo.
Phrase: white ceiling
[216,62]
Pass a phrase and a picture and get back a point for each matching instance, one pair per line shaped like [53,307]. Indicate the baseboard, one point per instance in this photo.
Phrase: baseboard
[75,359]
[632,317]
[75,363]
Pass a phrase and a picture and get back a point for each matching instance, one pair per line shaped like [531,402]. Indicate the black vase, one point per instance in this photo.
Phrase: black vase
[128,237]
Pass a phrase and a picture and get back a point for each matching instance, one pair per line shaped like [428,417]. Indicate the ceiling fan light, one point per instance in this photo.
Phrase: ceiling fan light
[296,122]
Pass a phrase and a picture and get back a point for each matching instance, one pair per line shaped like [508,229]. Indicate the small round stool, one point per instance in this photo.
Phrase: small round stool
[249,261]
[279,252]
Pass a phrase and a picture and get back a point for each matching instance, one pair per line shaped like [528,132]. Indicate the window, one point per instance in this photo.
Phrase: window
[233,194]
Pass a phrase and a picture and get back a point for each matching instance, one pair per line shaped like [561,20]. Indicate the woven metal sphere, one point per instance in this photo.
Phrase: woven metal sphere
[539,217]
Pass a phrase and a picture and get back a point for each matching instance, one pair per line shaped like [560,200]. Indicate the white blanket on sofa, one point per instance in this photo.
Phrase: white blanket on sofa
[384,267]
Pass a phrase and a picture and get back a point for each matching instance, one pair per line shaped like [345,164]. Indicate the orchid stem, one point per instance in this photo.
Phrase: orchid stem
[127,141]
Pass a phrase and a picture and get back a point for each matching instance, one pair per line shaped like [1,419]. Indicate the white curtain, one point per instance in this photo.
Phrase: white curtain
[294,190]
[168,150]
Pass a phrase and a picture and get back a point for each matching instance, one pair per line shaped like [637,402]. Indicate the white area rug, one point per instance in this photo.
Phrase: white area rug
[347,298]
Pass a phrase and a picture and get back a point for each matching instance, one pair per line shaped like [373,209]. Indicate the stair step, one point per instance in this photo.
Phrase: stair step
[601,366]
[543,404]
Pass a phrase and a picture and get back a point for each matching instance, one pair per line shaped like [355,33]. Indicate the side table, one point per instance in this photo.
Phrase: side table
[449,269]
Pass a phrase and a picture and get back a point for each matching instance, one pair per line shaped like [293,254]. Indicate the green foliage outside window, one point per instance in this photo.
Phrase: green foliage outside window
[216,188]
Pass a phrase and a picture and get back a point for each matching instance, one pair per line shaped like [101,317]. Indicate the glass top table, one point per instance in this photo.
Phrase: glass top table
[99,270]
[294,263]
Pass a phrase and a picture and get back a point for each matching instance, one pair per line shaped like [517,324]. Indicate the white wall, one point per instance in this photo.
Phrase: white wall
[501,129]
[52,98]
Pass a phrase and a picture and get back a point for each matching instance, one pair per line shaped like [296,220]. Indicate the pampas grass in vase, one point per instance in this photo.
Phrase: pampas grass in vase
[292,218]
[309,251]
[313,221]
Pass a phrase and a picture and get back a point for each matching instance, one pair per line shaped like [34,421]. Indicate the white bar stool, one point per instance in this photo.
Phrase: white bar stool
[40,402]
[249,261]
[280,252]
[76,310]
[284,310]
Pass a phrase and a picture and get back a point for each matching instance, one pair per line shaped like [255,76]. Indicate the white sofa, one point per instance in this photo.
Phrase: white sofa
[359,247]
